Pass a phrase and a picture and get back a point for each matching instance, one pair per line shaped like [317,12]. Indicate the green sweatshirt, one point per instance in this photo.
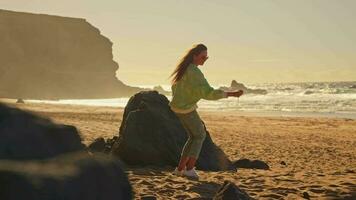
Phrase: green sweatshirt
[190,89]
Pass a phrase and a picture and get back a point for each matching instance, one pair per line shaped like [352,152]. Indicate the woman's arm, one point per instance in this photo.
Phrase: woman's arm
[202,88]
[235,93]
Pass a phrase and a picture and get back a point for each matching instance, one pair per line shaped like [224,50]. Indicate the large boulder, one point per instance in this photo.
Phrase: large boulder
[72,177]
[24,135]
[151,134]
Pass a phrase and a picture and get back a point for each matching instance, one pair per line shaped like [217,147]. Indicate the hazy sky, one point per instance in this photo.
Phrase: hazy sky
[251,41]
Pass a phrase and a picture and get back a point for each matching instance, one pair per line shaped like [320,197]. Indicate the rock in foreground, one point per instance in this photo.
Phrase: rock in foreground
[43,160]
[27,136]
[70,177]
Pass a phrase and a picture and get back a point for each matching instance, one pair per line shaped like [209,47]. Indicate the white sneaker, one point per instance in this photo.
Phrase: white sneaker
[191,173]
[178,173]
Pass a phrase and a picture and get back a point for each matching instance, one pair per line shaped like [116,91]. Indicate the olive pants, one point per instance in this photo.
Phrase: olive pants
[196,133]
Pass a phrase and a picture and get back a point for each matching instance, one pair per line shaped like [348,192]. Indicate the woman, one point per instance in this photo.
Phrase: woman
[188,87]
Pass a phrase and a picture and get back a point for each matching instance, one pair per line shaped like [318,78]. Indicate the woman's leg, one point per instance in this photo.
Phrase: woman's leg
[191,163]
[195,125]
[182,163]
[183,156]
[188,143]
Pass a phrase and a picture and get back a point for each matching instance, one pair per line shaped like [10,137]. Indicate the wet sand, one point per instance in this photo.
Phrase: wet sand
[319,153]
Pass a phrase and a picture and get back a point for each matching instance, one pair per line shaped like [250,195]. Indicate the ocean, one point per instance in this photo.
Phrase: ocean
[329,99]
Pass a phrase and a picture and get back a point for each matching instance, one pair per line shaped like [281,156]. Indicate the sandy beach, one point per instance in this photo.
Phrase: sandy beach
[313,157]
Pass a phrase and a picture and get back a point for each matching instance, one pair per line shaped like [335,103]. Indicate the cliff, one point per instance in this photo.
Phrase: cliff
[53,57]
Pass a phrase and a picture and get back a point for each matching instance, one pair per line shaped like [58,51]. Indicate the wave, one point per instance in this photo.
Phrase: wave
[336,98]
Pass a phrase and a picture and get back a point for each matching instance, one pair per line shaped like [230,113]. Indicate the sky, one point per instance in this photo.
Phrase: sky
[250,41]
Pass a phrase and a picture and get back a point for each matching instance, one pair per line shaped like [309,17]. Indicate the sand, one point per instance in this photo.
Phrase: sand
[320,153]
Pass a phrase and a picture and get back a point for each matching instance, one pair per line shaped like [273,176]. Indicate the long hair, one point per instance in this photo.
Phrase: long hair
[185,61]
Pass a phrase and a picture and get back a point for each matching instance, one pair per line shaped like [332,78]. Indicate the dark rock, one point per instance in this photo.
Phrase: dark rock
[151,134]
[20,101]
[306,195]
[112,140]
[109,144]
[251,164]
[235,84]
[73,176]
[239,86]
[98,145]
[102,146]
[283,163]
[37,161]
[229,191]
[27,136]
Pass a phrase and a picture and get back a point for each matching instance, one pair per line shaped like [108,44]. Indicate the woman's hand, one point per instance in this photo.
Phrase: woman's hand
[239,93]
[235,94]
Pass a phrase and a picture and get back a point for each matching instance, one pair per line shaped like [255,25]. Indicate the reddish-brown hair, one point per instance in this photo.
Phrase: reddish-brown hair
[185,61]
